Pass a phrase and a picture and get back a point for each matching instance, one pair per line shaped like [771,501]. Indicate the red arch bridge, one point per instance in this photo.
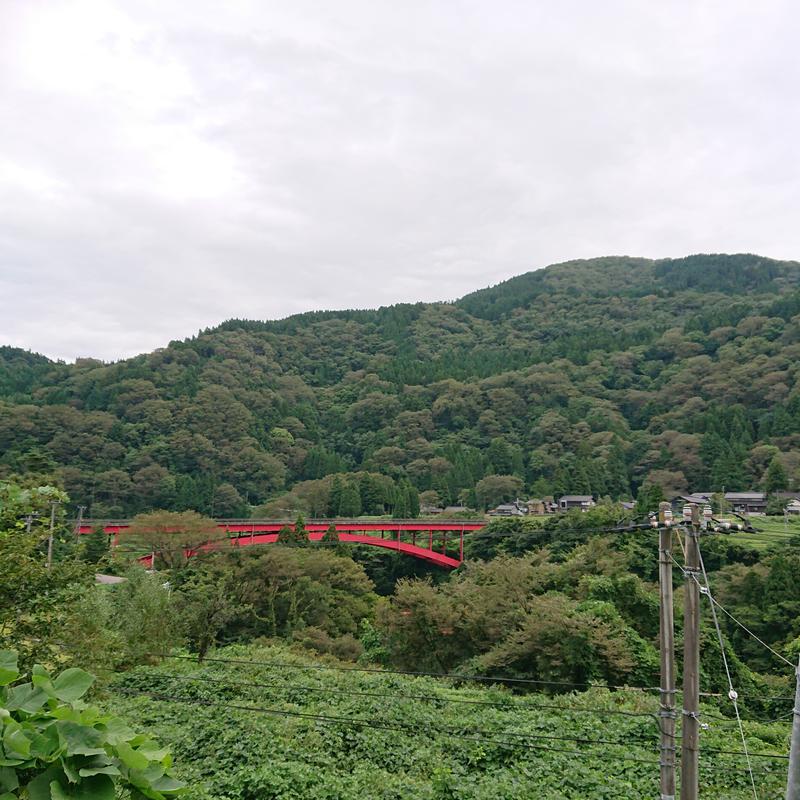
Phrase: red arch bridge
[438,542]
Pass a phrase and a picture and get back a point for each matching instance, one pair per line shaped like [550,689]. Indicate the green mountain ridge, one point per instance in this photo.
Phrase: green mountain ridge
[588,375]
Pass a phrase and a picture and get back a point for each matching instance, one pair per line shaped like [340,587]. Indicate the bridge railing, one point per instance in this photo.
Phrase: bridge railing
[93,522]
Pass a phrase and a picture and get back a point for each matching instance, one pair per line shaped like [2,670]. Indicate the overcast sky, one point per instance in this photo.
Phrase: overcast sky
[169,164]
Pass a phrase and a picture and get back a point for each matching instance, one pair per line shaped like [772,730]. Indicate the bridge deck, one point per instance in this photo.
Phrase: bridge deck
[248,532]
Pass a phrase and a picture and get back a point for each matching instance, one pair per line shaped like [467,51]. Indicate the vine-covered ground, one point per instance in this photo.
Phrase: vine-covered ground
[283,729]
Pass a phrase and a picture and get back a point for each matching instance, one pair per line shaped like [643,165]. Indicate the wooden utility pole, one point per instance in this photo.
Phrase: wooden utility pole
[690,743]
[79,521]
[53,505]
[666,640]
[793,781]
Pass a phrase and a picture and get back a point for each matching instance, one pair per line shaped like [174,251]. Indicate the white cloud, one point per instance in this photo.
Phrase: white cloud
[166,165]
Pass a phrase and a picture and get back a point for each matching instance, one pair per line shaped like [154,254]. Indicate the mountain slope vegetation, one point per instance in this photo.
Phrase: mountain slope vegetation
[588,376]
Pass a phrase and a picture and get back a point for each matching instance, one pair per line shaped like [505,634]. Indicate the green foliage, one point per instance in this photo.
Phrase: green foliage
[55,747]
[574,619]
[170,536]
[277,591]
[585,377]
[648,499]
[96,546]
[776,478]
[294,535]
[415,742]
[35,602]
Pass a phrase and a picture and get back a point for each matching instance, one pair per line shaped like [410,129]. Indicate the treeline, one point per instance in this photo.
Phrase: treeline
[587,377]
[549,600]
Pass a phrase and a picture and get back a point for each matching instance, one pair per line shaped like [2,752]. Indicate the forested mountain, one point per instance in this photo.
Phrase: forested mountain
[587,376]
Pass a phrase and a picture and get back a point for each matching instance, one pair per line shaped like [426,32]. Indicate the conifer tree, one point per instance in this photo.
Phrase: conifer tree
[331,535]
[96,546]
[297,536]
[776,479]
[648,498]
[350,505]
[335,497]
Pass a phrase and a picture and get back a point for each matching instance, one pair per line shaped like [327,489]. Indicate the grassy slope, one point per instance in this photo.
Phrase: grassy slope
[229,754]
[771,531]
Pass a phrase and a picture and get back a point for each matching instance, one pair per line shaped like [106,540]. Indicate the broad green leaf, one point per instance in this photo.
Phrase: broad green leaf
[159,754]
[100,769]
[15,742]
[81,740]
[8,667]
[132,758]
[8,779]
[46,743]
[8,796]
[25,698]
[72,684]
[117,731]
[70,770]
[39,787]
[98,787]
[168,784]
[67,713]
[41,680]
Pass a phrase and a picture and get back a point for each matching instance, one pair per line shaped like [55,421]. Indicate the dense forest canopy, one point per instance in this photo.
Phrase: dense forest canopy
[588,376]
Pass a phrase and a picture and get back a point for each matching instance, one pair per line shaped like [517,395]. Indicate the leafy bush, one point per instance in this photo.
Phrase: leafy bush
[55,747]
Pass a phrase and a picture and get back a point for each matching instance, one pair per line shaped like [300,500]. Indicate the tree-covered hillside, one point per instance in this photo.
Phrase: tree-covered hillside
[588,376]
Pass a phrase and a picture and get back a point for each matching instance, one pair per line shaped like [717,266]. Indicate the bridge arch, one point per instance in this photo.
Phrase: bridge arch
[431,541]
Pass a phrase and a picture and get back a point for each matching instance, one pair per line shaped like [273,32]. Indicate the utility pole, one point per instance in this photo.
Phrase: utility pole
[53,505]
[690,743]
[666,640]
[79,521]
[793,781]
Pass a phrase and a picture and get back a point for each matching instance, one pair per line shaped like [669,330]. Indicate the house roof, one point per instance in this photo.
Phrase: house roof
[108,579]
[575,498]
[755,496]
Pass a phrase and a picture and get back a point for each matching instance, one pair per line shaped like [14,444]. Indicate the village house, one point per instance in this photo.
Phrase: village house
[515,509]
[701,498]
[450,510]
[747,502]
[581,501]
[541,507]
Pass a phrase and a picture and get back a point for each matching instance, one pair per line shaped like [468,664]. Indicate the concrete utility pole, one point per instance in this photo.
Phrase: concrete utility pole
[793,781]
[53,505]
[666,640]
[690,743]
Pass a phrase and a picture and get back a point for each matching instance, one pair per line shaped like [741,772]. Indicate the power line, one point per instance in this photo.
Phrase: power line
[731,691]
[399,727]
[747,630]
[414,729]
[450,676]
[512,706]
[412,673]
